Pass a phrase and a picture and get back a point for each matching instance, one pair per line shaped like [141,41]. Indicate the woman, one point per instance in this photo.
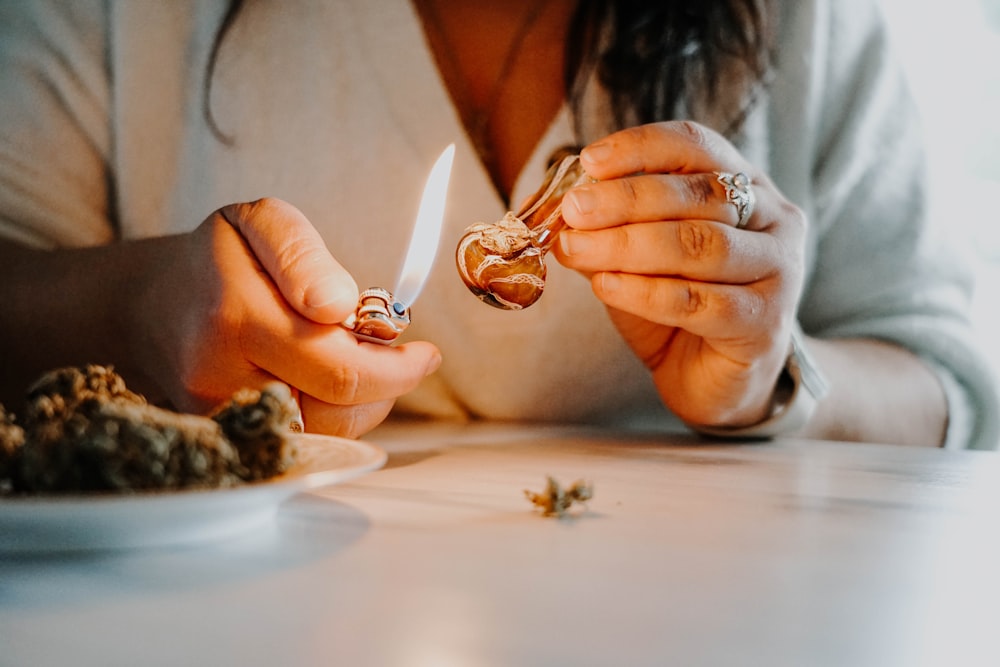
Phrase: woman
[123,126]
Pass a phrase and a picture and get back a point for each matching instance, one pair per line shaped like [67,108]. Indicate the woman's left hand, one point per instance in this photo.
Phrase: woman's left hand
[707,306]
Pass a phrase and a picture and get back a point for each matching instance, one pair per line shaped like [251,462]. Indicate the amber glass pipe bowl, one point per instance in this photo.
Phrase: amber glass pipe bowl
[503,262]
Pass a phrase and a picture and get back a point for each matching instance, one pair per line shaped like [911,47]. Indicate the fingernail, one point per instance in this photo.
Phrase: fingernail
[610,282]
[574,243]
[582,199]
[434,364]
[327,291]
[595,153]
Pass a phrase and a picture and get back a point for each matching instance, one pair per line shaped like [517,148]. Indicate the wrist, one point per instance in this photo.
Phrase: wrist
[144,312]
[63,307]
[799,389]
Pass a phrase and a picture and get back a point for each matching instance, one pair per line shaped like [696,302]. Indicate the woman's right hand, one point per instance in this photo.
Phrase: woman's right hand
[253,295]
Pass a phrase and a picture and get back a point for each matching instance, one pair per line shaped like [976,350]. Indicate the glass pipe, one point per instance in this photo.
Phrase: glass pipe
[503,263]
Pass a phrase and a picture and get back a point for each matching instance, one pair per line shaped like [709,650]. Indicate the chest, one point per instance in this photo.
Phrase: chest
[502,65]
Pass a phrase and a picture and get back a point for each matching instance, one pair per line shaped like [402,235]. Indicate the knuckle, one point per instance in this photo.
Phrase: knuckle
[694,300]
[695,240]
[699,189]
[355,421]
[347,425]
[619,245]
[629,191]
[259,214]
[346,385]
[265,206]
[647,132]
[297,252]
[646,296]
[630,197]
[691,131]
[248,214]
[794,216]
[249,217]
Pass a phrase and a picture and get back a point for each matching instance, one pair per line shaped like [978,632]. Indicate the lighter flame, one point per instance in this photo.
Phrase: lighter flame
[426,231]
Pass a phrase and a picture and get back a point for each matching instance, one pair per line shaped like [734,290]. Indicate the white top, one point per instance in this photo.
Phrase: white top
[338,108]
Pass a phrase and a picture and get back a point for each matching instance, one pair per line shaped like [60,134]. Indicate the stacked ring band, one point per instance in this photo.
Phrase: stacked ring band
[739,193]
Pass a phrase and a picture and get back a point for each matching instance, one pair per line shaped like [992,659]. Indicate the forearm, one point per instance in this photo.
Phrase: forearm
[879,392]
[66,307]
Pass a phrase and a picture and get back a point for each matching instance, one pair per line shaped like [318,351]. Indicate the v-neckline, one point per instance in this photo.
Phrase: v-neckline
[419,100]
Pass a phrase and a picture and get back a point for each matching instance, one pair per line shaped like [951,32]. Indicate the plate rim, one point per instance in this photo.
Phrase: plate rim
[293,477]
[166,507]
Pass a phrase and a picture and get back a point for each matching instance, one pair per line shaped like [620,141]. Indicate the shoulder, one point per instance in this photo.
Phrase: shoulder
[829,34]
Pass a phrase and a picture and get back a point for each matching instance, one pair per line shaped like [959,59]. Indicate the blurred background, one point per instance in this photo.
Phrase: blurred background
[951,52]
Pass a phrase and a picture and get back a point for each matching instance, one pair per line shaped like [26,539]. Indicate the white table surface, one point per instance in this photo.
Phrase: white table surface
[690,553]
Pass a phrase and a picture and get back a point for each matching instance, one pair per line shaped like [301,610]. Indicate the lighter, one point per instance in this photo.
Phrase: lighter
[381,316]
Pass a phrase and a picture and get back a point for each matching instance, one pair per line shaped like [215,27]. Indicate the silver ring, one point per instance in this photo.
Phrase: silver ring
[739,193]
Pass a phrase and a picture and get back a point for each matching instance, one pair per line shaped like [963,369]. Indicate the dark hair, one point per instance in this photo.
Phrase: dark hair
[672,58]
[656,60]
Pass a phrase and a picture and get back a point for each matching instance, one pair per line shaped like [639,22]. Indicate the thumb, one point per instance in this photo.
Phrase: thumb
[295,257]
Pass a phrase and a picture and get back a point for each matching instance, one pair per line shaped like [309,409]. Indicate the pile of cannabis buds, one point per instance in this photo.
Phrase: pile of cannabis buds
[84,431]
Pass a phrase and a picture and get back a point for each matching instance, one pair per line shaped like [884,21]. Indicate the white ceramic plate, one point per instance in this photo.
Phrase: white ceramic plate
[84,522]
